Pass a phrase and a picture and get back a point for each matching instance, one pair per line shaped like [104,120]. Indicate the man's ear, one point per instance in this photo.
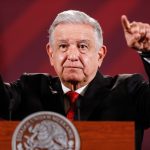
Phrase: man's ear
[102,53]
[49,52]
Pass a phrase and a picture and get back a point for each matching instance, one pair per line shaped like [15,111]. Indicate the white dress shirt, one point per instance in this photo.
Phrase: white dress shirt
[80,91]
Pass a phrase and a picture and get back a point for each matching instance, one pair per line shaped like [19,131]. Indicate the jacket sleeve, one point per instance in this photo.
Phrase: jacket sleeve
[10,93]
[145,56]
[142,94]
[17,98]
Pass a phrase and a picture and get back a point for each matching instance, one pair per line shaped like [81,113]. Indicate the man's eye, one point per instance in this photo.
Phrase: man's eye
[62,46]
[83,46]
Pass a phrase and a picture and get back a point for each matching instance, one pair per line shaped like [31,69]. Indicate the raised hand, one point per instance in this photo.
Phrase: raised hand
[137,34]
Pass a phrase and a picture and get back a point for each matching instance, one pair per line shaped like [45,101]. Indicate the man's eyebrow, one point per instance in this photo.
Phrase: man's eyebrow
[84,41]
[58,41]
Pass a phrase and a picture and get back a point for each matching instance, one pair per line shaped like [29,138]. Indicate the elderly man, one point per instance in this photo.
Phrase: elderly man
[80,91]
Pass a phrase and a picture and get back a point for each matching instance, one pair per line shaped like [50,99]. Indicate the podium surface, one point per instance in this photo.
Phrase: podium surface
[93,135]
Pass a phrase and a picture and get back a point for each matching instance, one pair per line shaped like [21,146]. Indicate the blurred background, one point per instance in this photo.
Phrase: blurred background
[24,34]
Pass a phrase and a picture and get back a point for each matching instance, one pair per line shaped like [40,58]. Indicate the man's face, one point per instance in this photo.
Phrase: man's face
[74,54]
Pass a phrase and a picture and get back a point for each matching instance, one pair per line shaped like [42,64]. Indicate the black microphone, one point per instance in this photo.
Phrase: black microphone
[78,109]
[11,106]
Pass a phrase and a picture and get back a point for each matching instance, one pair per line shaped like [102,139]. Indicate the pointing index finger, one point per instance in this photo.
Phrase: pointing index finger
[125,23]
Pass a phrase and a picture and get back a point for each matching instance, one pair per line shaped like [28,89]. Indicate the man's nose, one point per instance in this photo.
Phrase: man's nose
[73,53]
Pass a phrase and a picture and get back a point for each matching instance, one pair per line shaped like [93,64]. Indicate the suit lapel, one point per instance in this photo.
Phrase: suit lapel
[59,95]
[94,96]
[53,95]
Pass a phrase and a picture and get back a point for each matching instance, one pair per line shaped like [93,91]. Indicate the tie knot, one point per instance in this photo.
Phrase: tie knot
[73,96]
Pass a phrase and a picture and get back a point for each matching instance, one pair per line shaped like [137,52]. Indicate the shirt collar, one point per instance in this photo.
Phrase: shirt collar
[80,91]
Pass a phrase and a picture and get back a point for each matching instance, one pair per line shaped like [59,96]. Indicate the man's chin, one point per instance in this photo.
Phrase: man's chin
[73,78]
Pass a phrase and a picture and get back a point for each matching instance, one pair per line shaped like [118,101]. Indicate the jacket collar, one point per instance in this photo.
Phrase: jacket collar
[96,91]
[94,96]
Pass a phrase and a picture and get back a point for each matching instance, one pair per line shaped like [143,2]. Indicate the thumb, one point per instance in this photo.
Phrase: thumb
[125,23]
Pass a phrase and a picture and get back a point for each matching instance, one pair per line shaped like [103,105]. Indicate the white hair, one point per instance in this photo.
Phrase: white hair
[77,17]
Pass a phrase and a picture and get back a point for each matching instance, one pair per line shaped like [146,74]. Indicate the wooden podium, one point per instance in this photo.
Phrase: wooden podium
[93,135]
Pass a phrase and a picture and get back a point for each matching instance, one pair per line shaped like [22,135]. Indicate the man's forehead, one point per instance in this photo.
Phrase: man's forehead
[76,28]
[72,40]
[73,33]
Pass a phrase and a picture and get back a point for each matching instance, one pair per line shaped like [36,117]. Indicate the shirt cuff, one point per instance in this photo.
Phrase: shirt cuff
[145,56]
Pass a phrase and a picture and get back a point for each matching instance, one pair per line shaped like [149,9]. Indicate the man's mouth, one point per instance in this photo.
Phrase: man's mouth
[73,67]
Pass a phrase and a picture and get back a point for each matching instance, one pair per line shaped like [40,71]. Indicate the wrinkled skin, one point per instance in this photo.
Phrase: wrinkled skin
[74,55]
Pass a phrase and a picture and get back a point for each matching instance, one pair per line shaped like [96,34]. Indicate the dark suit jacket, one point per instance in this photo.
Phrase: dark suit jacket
[120,98]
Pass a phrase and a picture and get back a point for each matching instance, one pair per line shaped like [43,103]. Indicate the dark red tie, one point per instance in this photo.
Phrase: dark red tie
[73,96]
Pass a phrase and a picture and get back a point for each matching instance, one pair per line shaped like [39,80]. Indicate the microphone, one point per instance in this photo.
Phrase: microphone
[11,107]
[78,109]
